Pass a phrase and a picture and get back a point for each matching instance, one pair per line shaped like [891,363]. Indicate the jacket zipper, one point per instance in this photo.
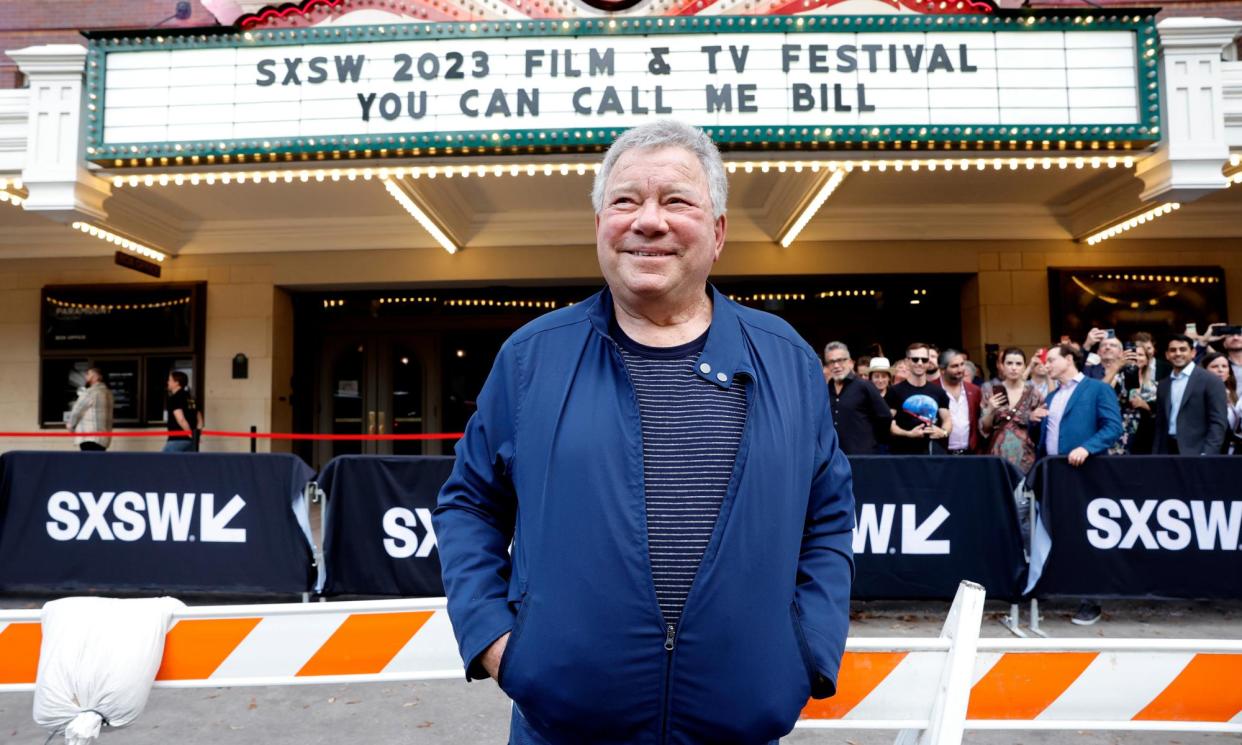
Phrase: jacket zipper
[670,644]
[670,630]
[670,637]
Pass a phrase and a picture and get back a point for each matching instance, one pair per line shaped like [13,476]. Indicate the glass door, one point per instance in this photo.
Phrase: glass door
[403,404]
[377,384]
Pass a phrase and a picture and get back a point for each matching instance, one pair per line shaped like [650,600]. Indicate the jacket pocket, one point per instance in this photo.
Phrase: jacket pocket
[507,656]
[808,660]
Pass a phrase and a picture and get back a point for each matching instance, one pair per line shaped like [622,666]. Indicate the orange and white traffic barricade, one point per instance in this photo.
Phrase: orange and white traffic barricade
[930,689]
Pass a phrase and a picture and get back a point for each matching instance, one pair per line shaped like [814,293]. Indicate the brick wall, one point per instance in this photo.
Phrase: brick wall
[25,23]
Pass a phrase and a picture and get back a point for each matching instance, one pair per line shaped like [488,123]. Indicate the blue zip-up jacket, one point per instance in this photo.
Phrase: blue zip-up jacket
[553,461]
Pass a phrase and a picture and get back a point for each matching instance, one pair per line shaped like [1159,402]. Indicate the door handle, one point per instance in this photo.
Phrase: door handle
[371,422]
[381,422]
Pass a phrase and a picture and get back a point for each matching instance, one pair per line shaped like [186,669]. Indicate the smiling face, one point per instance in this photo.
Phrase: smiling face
[1179,354]
[655,236]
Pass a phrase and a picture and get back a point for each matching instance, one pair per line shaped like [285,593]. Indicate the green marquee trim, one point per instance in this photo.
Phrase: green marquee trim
[1141,23]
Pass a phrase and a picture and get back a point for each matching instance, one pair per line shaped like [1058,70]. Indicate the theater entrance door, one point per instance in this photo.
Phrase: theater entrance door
[376,383]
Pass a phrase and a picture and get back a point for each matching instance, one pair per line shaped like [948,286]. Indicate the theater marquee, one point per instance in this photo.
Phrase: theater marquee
[1005,81]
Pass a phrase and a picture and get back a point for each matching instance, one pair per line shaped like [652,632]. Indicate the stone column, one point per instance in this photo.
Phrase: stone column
[1193,150]
[55,173]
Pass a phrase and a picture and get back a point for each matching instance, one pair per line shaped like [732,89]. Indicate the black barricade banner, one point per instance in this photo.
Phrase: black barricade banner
[1139,526]
[926,523]
[378,538]
[197,522]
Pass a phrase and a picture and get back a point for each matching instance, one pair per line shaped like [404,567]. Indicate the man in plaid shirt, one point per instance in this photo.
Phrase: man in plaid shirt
[92,412]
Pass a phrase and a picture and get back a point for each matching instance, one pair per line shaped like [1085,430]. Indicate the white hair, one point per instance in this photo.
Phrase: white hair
[661,134]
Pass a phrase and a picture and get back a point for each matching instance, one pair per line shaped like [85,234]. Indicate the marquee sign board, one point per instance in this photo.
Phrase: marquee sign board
[751,81]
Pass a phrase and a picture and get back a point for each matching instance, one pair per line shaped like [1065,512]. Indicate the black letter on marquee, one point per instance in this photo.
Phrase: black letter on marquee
[349,66]
[610,102]
[534,59]
[719,100]
[602,62]
[819,58]
[803,100]
[467,108]
[528,102]
[845,57]
[366,102]
[711,52]
[746,98]
[319,72]
[578,105]
[963,64]
[419,111]
[939,60]
[266,76]
[291,71]
[390,112]
[658,66]
[789,55]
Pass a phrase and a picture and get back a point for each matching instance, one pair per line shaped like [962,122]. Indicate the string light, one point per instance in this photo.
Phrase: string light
[512,169]
[1131,222]
[13,183]
[125,243]
[419,215]
[812,207]
[109,307]
[11,198]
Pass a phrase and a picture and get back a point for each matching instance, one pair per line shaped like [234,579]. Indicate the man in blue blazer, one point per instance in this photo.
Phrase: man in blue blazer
[1083,418]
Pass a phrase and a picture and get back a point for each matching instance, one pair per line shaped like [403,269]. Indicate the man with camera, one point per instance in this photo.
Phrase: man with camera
[1191,416]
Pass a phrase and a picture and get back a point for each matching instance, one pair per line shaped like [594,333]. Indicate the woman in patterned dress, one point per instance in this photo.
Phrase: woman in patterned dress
[1007,409]
[1136,393]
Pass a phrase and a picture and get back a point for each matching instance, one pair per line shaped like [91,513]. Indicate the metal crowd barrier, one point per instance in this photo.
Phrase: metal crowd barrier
[929,689]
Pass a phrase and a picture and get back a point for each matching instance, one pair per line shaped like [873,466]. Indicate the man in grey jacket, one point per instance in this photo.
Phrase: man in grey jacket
[1191,408]
[92,412]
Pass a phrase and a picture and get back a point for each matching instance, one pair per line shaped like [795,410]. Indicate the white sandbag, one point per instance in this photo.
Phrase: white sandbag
[97,662]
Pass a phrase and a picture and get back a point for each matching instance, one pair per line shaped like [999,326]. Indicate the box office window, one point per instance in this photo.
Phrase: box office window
[135,335]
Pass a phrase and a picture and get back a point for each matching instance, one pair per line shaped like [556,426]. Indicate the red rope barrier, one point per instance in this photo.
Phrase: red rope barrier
[125,433]
[308,436]
[248,435]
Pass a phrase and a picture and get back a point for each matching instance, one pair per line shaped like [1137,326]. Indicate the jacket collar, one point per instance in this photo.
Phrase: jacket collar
[726,353]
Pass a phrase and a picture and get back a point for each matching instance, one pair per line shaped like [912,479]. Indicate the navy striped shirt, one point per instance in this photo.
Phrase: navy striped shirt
[691,432]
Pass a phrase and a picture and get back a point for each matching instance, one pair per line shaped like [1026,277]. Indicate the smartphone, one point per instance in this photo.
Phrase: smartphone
[1128,346]
[1004,396]
[1110,333]
[1230,331]
[1192,328]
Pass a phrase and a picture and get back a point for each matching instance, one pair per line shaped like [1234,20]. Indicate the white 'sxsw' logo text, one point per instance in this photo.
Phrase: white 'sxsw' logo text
[166,517]
[1212,525]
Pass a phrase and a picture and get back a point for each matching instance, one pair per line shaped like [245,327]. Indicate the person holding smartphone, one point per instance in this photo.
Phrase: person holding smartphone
[1009,409]
[1136,394]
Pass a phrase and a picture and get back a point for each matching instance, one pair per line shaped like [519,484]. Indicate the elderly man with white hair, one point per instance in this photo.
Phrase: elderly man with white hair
[646,536]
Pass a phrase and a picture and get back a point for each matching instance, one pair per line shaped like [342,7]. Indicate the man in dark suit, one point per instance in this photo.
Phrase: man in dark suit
[964,399]
[1083,418]
[1191,408]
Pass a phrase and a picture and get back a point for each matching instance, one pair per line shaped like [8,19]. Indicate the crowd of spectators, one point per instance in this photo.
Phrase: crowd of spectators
[1103,396]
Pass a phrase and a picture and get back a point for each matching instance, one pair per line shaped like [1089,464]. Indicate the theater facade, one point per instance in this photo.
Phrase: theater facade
[331,214]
